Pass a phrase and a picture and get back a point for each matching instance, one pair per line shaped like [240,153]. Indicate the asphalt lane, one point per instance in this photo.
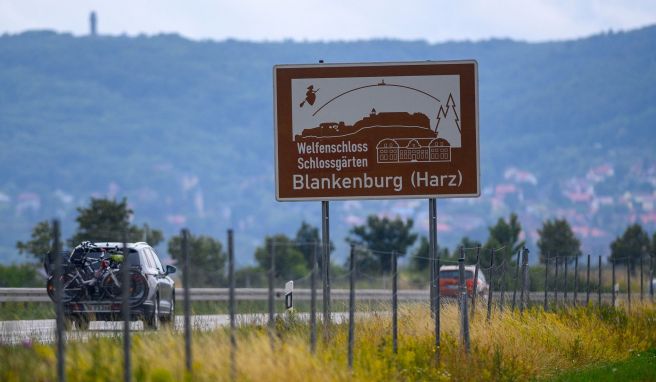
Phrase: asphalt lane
[27,331]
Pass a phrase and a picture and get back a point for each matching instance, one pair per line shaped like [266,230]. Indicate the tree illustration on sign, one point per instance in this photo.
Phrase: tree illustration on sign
[448,123]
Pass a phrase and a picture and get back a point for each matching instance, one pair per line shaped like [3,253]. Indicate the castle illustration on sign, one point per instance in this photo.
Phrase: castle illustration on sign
[399,136]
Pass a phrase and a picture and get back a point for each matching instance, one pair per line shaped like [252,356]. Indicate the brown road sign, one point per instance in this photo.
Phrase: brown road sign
[372,131]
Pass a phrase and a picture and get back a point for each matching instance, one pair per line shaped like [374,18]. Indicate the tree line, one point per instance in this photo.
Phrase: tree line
[109,219]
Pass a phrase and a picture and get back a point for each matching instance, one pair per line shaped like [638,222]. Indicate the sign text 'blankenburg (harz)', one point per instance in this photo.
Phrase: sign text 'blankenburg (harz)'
[385,130]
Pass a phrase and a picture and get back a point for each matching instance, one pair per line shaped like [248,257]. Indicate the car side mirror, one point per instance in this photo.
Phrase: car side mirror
[170,269]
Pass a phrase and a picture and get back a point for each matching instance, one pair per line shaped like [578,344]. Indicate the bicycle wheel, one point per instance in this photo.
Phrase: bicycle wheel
[137,287]
[71,286]
[111,285]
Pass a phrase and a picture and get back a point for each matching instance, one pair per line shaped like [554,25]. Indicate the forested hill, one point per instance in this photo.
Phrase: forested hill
[184,130]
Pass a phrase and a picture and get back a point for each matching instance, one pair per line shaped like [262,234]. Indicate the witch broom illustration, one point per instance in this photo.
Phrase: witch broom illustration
[310,96]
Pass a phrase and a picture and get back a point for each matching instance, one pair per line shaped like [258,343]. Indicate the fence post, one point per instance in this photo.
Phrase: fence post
[524,293]
[587,283]
[475,286]
[612,262]
[546,283]
[599,282]
[394,303]
[565,282]
[628,281]
[556,283]
[313,302]
[187,302]
[233,326]
[489,292]
[576,279]
[351,331]
[516,281]
[502,286]
[271,275]
[125,294]
[59,302]
[642,286]
[464,320]
[651,277]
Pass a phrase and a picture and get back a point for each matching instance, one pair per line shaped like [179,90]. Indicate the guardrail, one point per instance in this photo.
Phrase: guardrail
[221,294]
[258,294]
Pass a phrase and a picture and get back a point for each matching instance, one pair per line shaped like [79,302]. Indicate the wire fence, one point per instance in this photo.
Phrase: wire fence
[494,279]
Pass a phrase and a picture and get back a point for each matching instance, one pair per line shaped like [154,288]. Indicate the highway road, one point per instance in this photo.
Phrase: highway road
[25,331]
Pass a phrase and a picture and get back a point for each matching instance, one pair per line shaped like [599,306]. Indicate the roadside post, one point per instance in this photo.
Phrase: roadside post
[642,285]
[289,296]
[587,283]
[612,262]
[516,281]
[576,278]
[651,277]
[546,283]
[464,320]
[233,326]
[313,301]
[351,327]
[434,256]
[489,292]
[565,280]
[59,302]
[125,294]
[187,302]
[502,287]
[524,294]
[325,264]
[395,306]
[432,244]
[556,282]
[599,283]
[271,275]
[475,286]
[628,282]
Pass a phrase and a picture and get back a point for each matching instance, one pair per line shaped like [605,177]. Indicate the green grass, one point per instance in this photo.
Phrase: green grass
[639,367]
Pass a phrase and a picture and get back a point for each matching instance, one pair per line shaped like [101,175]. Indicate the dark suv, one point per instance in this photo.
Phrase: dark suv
[92,278]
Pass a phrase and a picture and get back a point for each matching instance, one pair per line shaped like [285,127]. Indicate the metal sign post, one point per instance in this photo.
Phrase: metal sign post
[325,266]
[435,281]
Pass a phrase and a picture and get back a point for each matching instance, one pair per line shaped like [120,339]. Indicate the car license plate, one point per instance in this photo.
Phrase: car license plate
[98,308]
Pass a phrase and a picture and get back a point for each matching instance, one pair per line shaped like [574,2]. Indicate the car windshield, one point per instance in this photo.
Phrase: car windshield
[454,274]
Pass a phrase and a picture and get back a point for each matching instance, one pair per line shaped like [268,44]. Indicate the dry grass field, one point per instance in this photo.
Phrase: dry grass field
[534,345]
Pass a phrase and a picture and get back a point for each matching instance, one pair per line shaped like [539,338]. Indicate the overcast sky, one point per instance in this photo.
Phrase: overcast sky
[434,21]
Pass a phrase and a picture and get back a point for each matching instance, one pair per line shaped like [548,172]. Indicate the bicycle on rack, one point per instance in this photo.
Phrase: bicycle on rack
[92,273]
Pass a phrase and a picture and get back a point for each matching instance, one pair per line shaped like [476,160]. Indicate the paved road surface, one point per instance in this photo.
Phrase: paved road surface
[14,332]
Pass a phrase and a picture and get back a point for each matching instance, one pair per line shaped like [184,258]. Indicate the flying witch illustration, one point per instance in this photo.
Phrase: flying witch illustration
[310,96]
